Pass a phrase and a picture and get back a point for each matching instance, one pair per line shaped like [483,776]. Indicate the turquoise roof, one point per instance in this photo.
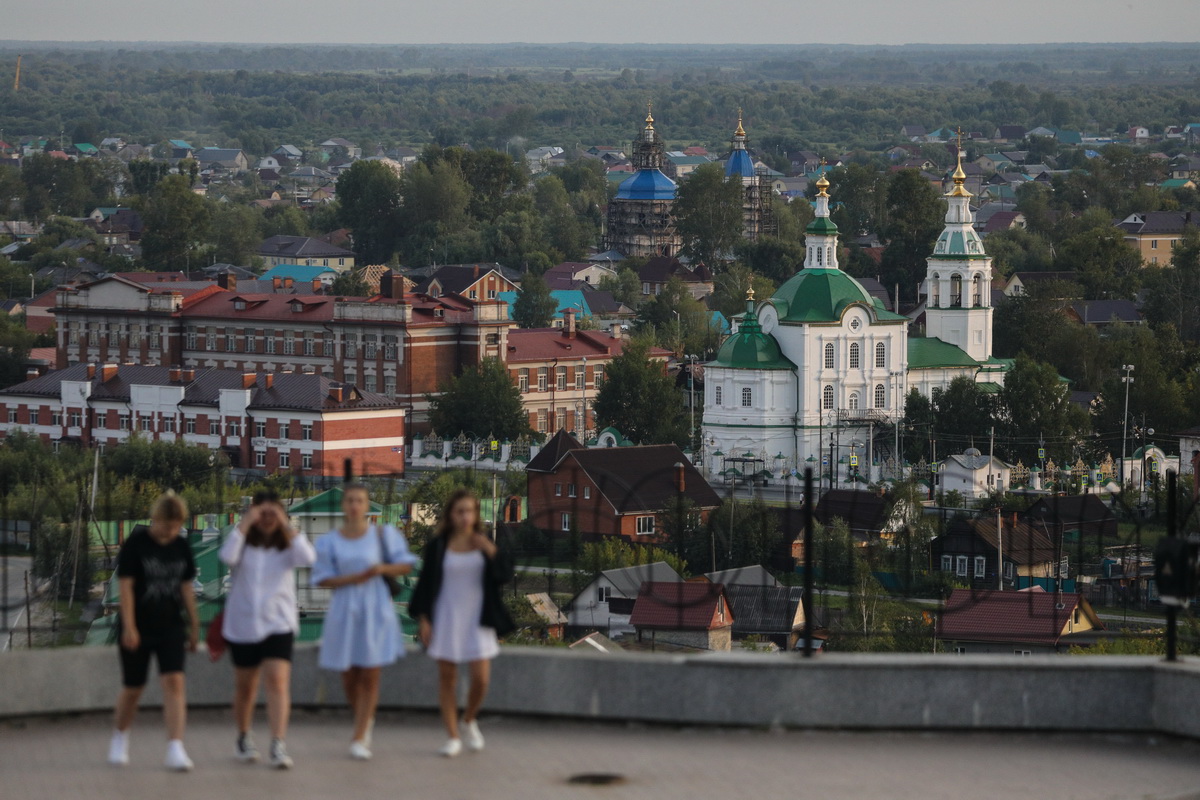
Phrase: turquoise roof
[739,163]
[566,298]
[297,272]
[750,348]
[823,295]
[647,184]
[961,242]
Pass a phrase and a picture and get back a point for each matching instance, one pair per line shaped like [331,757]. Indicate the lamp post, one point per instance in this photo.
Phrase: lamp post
[583,395]
[854,445]
[692,359]
[1126,379]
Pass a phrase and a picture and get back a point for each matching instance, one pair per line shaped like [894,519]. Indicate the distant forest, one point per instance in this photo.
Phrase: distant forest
[256,97]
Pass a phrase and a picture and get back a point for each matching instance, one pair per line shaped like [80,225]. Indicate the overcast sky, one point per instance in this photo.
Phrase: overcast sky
[713,21]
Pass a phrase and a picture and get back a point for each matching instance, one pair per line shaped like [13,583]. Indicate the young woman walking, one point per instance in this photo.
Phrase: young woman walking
[155,570]
[361,633]
[460,612]
[261,618]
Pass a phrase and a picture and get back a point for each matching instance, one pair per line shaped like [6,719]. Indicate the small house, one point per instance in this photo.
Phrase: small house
[685,614]
[972,550]
[1022,623]
[606,603]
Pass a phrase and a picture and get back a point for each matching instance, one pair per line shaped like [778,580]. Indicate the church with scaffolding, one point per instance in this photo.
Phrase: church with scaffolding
[640,222]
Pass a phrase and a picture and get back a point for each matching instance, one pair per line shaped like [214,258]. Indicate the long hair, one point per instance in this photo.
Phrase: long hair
[256,536]
[444,525]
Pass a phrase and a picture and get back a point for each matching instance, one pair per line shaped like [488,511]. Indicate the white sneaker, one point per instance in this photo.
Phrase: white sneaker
[471,736]
[118,749]
[177,758]
[279,755]
[451,748]
[244,750]
[359,751]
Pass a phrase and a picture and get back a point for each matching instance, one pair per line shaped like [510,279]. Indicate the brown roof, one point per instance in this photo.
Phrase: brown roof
[547,344]
[553,451]
[679,606]
[1023,544]
[264,307]
[1034,617]
[645,478]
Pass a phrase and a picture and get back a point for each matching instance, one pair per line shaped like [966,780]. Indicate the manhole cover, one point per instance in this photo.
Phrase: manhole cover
[597,779]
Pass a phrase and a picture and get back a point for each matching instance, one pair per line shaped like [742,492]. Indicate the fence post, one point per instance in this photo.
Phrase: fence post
[1172,611]
[808,562]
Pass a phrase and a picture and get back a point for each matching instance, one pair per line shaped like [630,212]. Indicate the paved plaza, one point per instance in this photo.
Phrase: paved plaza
[52,758]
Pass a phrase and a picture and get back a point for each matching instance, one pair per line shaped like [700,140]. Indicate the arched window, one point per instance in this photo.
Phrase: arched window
[855,360]
[827,397]
[880,396]
[956,290]
[829,356]
[852,403]
[717,395]
[935,290]
[747,397]
[977,290]
[820,255]
[880,355]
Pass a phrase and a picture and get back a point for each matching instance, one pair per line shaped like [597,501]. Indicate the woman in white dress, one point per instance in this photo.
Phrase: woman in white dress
[460,612]
[361,634]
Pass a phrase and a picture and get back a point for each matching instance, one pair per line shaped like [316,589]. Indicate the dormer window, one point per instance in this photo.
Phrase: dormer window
[439,312]
[239,305]
[297,307]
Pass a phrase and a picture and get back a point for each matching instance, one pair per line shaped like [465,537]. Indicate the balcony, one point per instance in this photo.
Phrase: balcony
[987,722]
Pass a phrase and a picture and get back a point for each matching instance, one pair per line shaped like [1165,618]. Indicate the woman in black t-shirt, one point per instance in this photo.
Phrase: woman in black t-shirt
[155,570]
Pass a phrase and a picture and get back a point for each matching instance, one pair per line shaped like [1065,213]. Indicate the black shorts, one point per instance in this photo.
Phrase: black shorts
[252,654]
[168,649]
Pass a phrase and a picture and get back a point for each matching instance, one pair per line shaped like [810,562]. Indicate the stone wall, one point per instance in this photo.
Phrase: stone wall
[868,691]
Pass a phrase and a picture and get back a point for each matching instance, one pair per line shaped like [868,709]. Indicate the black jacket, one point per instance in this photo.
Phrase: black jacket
[498,572]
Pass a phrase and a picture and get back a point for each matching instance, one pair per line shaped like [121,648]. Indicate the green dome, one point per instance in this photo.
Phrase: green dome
[750,348]
[820,295]
[958,243]
[823,226]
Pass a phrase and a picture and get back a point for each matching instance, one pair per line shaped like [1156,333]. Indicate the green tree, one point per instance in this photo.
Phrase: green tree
[369,205]
[350,284]
[176,224]
[626,286]
[534,306]
[746,533]
[708,214]
[639,399]
[774,259]
[235,232]
[963,412]
[915,216]
[1103,262]
[680,322]
[483,401]
[730,287]
[1034,403]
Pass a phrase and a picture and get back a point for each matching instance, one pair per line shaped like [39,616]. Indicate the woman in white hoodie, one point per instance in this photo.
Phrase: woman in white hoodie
[261,618]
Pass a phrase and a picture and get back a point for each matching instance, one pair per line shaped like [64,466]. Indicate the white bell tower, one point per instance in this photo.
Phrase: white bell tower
[958,307]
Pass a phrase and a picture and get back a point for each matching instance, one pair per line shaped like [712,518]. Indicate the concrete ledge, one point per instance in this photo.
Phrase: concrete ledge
[868,692]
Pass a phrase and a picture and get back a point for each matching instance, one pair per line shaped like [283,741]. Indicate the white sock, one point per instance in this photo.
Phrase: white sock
[175,745]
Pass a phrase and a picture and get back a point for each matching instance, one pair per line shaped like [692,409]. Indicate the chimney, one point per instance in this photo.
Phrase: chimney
[269,379]
[108,372]
[317,285]
[174,374]
[91,371]
[680,480]
[188,374]
[227,280]
[615,330]
[276,283]
[569,323]
[288,282]
[249,379]
[336,393]
[475,272]
[32,373]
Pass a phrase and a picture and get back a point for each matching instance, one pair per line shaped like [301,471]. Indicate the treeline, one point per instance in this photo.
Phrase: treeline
[257,110]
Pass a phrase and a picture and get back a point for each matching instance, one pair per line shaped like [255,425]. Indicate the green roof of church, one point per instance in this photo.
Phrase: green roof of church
[750,348]
[822,295]
[927,353]
[958,244]
[326,503]
[822,225]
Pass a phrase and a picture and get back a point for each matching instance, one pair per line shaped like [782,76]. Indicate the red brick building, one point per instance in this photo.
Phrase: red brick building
[559,371]
[612,491]
[266,423]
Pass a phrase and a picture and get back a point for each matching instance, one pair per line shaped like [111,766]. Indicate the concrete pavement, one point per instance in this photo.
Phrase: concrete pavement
[533,759]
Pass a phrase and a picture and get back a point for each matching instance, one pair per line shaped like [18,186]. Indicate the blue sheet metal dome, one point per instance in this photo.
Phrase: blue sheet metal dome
[739,164]
[647,184]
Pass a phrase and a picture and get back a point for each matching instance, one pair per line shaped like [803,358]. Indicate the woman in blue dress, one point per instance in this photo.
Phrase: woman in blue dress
[361,634]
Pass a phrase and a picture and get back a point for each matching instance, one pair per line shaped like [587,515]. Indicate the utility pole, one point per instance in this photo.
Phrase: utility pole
[1127,379]
[17,78]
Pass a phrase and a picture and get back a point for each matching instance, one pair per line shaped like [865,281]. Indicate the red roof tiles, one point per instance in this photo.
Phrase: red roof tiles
[1034,617]
[681,606]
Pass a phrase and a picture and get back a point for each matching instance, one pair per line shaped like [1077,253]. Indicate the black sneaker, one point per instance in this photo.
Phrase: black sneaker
[279,755]
[246,752]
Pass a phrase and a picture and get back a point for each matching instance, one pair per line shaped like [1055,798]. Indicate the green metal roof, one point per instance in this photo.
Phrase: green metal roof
[823,226]
[750,348]
[325,504]
[958,244]
[822,295]
[926,353]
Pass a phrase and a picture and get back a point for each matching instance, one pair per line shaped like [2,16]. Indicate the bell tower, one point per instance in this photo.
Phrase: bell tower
[958,306]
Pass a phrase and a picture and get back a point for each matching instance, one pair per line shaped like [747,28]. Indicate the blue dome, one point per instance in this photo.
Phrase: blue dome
[647,184]
[739,163]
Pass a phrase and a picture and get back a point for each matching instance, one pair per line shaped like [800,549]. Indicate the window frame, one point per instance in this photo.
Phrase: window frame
[747,397]
[960,566]
[644,525]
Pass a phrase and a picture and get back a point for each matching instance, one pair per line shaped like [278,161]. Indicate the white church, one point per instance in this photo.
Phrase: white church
[817,372]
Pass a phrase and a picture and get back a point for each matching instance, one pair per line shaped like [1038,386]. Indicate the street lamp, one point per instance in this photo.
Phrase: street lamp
[1126,379]
[854,445]
[692,359]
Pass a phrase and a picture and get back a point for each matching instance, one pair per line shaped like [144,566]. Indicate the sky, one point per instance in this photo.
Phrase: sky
[615,21]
